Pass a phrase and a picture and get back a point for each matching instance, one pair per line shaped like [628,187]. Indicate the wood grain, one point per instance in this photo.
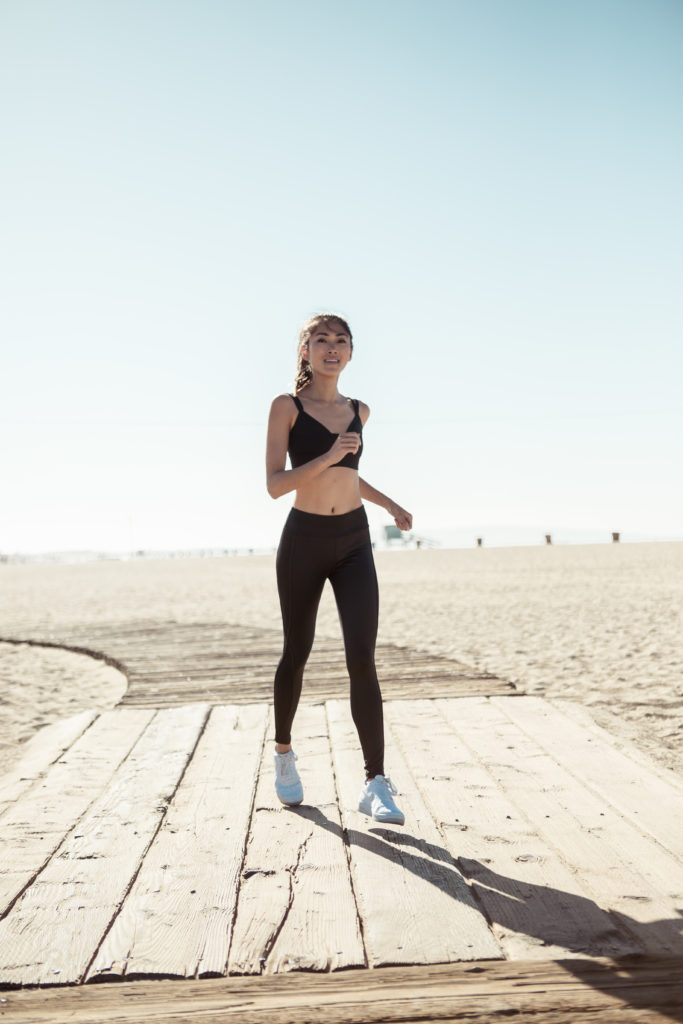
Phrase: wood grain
[574,992]
[643,796]
[583,717]
[39,753]
[626,873]
[60,920]
[33,828]
[139,851]
[538,905]
[169,664]
[177,918]
[415,905]
[296,909]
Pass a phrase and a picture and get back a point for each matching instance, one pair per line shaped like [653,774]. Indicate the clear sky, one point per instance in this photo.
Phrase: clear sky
[489,190]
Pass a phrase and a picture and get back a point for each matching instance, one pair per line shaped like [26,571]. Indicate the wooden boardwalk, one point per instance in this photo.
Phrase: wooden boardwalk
[149,844]
[170,663]
[540,867]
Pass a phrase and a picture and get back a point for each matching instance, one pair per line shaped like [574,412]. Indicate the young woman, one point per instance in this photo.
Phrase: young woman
[325,537]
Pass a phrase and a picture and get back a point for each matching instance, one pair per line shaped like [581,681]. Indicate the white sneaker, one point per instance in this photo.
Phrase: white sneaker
[287,782]
[375,800]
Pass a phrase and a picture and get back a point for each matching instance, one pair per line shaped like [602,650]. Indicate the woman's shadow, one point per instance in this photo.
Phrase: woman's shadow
[550,916]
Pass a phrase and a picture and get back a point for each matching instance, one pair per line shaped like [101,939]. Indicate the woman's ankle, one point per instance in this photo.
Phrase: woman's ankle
[282,748]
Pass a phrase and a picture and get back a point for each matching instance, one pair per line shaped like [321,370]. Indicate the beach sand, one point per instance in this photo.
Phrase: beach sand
[39,685]
[597,624]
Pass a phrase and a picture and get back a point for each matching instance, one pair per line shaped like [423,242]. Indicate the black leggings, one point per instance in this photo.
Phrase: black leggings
[313,549]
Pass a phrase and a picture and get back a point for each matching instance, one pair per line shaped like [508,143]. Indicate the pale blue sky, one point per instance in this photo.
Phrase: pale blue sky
[489,190]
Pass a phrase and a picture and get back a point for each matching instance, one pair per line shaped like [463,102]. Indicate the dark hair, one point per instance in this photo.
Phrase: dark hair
[304,373]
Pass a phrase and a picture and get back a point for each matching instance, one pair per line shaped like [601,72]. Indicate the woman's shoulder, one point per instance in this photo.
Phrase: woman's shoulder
[282,402]
[363,410]
[283,410]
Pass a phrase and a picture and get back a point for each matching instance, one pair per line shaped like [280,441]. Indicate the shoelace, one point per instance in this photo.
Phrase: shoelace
[287,764]
[389,784]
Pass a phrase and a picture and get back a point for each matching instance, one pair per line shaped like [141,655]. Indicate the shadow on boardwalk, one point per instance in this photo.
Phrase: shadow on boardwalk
[510,915]
[499,899]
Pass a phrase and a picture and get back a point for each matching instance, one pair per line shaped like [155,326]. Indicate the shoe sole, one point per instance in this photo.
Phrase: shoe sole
[289,803]
[395,820]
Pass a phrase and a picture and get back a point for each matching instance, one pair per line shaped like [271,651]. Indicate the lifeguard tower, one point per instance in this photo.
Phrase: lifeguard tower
[394,537]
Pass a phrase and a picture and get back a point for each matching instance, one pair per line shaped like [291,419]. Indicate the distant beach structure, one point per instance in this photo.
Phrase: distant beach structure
[391,535]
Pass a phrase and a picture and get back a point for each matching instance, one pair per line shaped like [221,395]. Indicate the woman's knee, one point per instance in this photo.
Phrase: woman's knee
[294,658]
[360,661]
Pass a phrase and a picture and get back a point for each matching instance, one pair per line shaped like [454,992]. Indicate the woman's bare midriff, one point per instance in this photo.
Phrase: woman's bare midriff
[335,491]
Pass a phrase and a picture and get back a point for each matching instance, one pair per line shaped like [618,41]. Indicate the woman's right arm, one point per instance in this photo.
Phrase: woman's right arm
[281,481]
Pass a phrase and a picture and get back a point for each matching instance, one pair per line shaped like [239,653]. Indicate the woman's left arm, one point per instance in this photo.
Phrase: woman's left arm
[403,519]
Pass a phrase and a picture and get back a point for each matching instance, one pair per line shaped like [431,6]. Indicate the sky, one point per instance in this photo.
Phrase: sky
[488,190]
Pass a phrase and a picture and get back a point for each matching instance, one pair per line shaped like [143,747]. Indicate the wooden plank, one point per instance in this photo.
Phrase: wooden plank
[33,828]
[626,873]
[51,934]
[639,793]
[247,692]
[415,905]
[296,906]
[177,918]
[38,753]
[582,715]
[169,664]
[200,656]
[572,992]
[407,667]
[538,907]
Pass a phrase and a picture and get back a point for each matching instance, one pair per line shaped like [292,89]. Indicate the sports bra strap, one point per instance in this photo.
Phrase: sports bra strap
[297,402]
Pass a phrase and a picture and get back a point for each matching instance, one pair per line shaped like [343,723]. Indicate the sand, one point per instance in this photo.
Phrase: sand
[596,624]
[39,685]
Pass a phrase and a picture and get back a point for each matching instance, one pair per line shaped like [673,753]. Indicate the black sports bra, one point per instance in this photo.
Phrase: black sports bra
[310,438]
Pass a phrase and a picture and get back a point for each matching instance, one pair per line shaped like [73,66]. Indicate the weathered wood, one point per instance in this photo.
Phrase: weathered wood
[171,664]
[583,717]
[53,930]
[415,905]
[38,753]
[33,828]
[538,906]
[296,907]
[485,796]
[574,992]
[626,873]
[177,918]
[643,796]
[174,696]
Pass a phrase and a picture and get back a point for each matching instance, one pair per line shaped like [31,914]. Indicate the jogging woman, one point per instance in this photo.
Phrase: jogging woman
[326,537]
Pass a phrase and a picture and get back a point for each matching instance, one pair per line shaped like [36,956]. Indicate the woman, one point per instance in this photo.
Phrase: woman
[326,536]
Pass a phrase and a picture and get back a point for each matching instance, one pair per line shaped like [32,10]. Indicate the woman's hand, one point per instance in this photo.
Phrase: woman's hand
[403,519]
[345,443]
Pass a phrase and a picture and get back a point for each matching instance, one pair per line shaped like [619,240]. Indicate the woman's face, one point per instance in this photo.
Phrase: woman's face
[328,350]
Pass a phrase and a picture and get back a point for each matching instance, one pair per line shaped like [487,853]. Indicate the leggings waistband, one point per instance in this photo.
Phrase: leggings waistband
[327,526]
